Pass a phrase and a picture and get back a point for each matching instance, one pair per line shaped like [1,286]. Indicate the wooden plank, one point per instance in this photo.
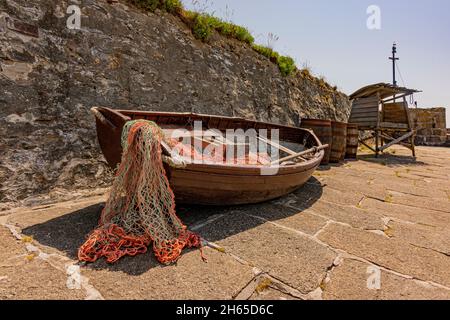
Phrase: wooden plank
[364,121]
[368,99]
[396,141]
[392,125]
[364,117]
[279,147]
[401,121]
[394,111]
[300,154]
[367,146]
[397,97]
[395,105]
[395,114]
[364,103]
[363,111]
[365,106]
[398,117]
[387,137]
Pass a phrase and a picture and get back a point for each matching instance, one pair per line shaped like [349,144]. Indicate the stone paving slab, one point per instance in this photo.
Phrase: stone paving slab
[435,204]
[25,276]
[431,237]
[292,258]
[297,219]
[349,282]
[359,185]
[311,193]
[406,213]
[407,186]
[423,264]
[221,277]
[352,215]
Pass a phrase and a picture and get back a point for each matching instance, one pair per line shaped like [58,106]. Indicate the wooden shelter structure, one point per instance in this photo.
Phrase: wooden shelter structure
[382,108]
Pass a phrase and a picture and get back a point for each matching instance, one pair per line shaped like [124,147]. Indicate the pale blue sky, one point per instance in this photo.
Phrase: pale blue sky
[331,36]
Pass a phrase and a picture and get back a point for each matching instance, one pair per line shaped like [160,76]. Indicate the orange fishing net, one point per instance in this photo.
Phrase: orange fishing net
[219,154]
[141,207]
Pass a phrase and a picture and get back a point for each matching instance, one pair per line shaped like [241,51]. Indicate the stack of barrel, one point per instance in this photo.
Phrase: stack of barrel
[341,137]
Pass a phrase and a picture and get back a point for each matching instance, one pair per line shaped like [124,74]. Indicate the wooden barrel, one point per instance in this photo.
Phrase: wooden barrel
[339,130]
[352,141]
[322,129]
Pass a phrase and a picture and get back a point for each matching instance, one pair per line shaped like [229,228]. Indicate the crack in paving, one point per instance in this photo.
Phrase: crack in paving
[329,220]
[244,293]
[264,280]
[91,292]
[406,205]
[248,290]
[327,278]
[437,251]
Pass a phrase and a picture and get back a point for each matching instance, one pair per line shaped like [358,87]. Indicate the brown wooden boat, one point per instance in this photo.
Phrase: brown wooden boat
[211,183]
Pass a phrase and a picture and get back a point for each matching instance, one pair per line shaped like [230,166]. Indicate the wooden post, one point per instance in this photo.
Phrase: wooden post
[377,149]
[413,138]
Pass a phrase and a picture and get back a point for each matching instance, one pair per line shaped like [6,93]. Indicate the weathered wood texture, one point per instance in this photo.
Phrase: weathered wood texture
[339,141]
[365,113]
[392,116]
[322,129]
[351,148]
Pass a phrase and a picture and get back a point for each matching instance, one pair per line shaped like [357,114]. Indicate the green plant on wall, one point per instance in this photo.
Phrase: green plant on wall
[173,6]
[267,52]
[286,65]
[203,27]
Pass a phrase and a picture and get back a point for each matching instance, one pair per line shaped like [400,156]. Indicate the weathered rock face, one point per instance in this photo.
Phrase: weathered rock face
[51,76]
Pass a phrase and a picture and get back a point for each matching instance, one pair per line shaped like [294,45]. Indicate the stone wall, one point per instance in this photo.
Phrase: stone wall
[122,57]
[430,125]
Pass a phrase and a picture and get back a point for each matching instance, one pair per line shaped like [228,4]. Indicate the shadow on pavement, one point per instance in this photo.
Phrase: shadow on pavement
[68,232]
[392,160]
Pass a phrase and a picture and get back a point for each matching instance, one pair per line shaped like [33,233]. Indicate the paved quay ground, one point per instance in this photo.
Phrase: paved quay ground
[368,229]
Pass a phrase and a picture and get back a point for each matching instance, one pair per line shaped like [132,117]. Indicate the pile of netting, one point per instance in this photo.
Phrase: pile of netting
[141,206]
[218,154]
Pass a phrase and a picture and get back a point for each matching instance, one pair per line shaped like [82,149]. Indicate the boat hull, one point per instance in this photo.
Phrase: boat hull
[212,184]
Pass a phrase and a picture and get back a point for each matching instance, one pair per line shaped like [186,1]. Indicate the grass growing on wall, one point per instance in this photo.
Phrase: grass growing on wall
[204,25]
[285,64]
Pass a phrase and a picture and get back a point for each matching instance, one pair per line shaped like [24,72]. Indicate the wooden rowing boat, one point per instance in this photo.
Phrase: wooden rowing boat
[221,183]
